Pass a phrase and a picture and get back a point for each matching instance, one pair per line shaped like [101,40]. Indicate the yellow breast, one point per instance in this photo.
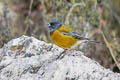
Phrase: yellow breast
[61,40]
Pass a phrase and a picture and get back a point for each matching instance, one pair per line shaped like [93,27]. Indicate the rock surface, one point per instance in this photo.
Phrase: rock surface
[27,58]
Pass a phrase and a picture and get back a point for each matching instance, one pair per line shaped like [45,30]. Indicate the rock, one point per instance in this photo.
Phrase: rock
[27,58]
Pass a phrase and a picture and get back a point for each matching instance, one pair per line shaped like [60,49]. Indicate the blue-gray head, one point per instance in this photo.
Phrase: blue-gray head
[53,25]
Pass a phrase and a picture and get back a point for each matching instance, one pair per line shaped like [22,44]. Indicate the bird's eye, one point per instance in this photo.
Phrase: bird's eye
[49,24]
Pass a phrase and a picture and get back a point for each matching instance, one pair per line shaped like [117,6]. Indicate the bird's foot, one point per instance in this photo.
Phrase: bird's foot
[62,54]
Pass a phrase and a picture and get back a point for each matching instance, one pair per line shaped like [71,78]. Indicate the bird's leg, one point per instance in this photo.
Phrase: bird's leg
[62,54]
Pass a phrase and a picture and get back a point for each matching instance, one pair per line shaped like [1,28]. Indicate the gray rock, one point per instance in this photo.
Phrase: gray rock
[27,58]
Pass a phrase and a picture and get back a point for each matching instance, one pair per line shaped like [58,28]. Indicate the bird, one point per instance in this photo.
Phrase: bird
[63,36]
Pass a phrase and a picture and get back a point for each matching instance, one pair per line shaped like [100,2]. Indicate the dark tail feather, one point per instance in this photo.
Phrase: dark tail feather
[93,41]
[88,40]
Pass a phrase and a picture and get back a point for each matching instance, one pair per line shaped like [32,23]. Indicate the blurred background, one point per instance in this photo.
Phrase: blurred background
[96,19]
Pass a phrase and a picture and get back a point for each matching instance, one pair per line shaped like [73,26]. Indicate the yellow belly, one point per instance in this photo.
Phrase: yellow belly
[61,40]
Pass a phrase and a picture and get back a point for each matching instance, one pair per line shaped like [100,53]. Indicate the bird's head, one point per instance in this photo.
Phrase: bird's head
[53,25]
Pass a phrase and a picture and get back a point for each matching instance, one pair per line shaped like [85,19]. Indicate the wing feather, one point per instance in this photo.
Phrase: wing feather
[76,35]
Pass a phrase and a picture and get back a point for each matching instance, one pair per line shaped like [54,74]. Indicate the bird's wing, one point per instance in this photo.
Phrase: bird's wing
[64,28]
[76,35]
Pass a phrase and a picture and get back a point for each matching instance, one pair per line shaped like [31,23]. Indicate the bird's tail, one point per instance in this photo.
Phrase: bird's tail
[88,40]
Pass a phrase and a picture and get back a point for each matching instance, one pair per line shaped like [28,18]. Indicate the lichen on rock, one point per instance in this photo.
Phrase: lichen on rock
[37,60]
